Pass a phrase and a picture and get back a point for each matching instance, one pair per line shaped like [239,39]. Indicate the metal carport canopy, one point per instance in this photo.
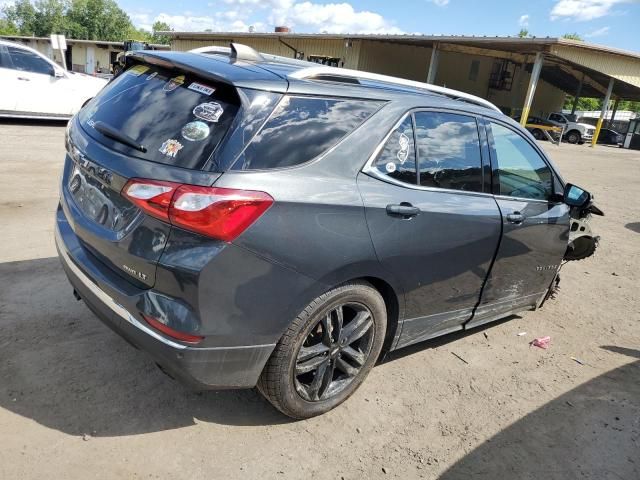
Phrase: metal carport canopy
[565,60]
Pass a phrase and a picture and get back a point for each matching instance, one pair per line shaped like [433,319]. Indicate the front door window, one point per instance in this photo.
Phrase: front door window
[521,170]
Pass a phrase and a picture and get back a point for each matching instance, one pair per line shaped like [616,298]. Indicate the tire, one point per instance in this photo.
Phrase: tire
[314,392]
[537,134]
[574,137]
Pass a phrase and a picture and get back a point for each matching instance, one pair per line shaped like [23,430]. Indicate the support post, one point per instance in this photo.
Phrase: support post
[63,57]
[605,107]
[433,64]
[576,97]
[533,83]
[613,114]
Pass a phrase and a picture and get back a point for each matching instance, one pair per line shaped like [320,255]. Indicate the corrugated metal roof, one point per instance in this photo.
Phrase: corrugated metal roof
[501,42]
[157,46]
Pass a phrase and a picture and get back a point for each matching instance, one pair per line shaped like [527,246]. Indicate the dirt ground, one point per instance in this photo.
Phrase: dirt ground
[76,401]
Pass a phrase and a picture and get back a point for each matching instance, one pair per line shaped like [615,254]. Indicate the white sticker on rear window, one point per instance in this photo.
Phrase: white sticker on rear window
[390,167]
[403,153]
[210,111]
[170,148]
[200,88]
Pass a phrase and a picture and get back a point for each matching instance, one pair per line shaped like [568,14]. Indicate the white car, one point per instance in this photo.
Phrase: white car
[33,86]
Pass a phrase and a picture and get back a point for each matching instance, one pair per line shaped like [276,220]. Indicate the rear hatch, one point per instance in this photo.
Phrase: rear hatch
[154,122]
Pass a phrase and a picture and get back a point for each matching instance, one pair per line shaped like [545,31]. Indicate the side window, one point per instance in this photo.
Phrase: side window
[5,61]
[27,61]
[301,128]
[448,151]
[521,170]
[397,159]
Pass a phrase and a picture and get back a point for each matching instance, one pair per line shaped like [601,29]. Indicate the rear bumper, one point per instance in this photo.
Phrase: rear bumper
[204,367]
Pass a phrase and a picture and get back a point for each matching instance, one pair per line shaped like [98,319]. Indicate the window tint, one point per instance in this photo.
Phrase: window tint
[179,118]
[398,157]
[5,62]
[557,118]
[448,151]
[301,128]
[521,171]
[27,61]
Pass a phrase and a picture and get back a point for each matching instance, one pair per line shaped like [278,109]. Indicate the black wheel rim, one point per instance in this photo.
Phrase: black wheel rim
[334,352]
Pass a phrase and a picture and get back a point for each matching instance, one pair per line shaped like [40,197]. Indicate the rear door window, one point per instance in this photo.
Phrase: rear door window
[448,151]
[27,61]
[178,117]
[302,128]
[397,159]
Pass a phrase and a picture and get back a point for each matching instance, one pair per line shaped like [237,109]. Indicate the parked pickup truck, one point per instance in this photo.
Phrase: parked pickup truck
[574,132]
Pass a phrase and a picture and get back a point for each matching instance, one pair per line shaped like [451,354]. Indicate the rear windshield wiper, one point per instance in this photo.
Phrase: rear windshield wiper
[114,134]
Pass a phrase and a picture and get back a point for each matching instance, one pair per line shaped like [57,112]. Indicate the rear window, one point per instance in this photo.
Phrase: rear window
[177,117]
[302,128]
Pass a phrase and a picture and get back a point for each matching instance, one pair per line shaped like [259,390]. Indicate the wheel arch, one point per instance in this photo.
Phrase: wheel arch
[392,303]
[572,131]
[388,287]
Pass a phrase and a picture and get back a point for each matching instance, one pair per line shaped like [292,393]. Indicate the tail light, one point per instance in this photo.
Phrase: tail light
[183,337]
[221,213]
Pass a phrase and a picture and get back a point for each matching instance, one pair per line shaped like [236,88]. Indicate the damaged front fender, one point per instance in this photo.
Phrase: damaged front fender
[582,241]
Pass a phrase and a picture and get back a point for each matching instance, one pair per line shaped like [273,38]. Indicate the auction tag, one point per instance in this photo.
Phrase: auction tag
[137,70]
[200,88]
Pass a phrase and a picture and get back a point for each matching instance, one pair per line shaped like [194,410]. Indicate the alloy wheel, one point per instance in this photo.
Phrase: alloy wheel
[334,351]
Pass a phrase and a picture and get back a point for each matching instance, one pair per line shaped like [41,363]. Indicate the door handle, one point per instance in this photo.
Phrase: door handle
[515,217]
[24,79]
[405,210]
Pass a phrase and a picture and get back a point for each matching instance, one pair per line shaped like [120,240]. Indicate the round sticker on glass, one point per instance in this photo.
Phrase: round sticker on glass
[195,131]
[390,167]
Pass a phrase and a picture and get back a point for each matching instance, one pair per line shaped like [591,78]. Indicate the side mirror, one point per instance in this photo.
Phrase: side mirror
[575,196]
[57,73]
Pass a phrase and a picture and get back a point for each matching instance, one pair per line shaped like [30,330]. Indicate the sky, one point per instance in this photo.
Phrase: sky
[608,22]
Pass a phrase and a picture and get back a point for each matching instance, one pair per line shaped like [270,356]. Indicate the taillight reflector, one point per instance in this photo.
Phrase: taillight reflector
[183,337]
[152,196]
[217,212]
[221,213]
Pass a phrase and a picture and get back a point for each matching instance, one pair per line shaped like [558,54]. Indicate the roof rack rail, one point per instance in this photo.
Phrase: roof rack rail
[336,73]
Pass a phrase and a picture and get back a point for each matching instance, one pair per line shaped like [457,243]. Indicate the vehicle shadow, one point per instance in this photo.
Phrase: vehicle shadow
[591,432]
[30,122]
[633,226]
[61,367]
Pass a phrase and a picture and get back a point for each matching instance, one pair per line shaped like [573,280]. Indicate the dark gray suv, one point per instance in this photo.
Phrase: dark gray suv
[249,220]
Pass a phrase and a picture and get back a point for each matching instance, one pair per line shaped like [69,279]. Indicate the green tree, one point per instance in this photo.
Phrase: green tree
[586,104]
[523,33]
[573,36]
[7,27]
[82,19]
[22,16]
[50,17]
[161,27]
[97,20]
[629,105]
